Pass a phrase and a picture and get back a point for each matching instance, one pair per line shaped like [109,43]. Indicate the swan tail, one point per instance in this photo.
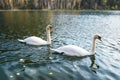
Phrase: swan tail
[56,51]
[20,40]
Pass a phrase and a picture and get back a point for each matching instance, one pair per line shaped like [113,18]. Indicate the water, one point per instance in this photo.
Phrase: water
[70,27]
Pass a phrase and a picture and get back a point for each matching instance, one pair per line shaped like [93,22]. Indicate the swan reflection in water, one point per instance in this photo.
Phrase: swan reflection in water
[93,65]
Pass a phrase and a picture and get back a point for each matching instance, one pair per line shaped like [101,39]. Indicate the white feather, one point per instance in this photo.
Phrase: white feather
[33,40]
[71,50]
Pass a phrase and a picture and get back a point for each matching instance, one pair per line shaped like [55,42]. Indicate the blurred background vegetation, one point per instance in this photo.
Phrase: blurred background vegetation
[61,4]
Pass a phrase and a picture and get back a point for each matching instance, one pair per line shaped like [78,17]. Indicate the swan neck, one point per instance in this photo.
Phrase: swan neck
[48,36]
[93,46]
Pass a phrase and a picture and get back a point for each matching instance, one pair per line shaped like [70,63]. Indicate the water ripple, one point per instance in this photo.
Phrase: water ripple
[23,62]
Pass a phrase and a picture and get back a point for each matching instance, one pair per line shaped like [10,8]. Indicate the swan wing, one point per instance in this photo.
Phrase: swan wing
[72,50]
[33,40]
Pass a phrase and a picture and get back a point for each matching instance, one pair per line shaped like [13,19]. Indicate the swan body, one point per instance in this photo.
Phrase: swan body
[73,50]
[33,40]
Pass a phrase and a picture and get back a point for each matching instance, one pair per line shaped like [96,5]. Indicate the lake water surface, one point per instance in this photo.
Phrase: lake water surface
[70,27]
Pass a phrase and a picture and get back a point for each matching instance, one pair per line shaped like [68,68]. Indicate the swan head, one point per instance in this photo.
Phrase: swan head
[49,27]
[97,37]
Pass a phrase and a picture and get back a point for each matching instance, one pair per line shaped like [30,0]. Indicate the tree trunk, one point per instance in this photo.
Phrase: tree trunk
[10,2]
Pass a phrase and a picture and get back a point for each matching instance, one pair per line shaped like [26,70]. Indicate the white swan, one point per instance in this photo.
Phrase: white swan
[33,40]
[72,50]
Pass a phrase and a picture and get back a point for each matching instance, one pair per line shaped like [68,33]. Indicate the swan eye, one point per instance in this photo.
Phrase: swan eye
[99,37]
[51,28]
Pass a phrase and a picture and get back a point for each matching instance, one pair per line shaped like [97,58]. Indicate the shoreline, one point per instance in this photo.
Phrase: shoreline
[53,10]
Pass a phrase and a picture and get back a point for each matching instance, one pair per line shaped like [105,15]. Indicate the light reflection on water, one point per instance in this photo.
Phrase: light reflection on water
[71,27]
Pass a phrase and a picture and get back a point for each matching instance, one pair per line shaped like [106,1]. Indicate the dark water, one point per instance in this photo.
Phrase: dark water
[70,27]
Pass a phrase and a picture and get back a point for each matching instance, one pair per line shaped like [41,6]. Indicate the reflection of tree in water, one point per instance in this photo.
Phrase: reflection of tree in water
[24,23]
[93,65]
